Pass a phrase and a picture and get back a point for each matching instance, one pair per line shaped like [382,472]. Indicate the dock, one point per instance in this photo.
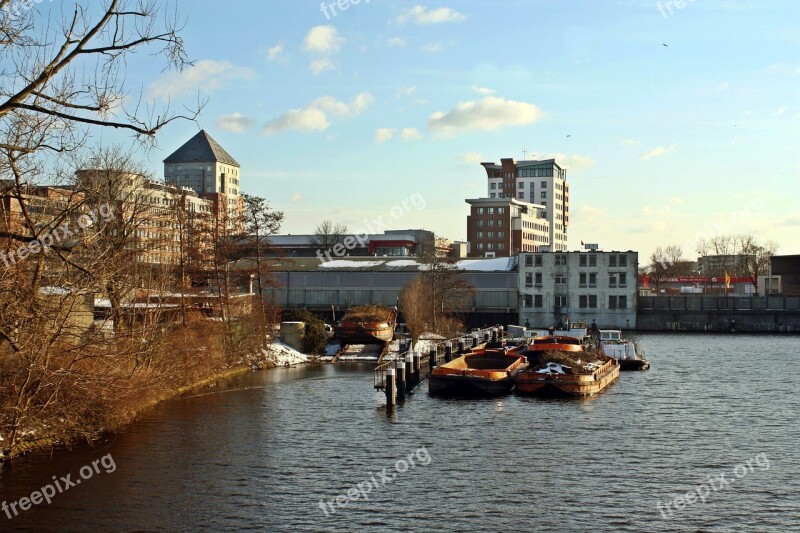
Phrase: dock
[400,377]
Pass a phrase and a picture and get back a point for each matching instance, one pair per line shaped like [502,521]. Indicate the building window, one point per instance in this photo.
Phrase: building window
[480,210]
[538,279]
[623,260]
[501,210]
[500,223]
[528,260]
[493,186]
[490,246]
[480,246]
[543,195]
[544,185]
[592,260]
[490,235]
[491,210]
[582,282]
[480,235]
[561,279]
[592,280]
[612,261]
[622,279]
[617,302]
[501,234]
[521,196]
[501,246]
[491,223]
[582,260]
[529,280]
[528,300]
[617,279]
[537,301]
[561,301]
[493,195]
[538,261]
[612,280]
[560,259]
[587,301]
[480,223]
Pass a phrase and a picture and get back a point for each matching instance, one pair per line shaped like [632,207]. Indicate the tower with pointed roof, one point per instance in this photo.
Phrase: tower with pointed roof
[202,165]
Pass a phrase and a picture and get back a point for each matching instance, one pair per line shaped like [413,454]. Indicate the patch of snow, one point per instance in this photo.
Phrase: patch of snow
[400,263]
[487,265]
[283,355]
[54,291]
[343,263]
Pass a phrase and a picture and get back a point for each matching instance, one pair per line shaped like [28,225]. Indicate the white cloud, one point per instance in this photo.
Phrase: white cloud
[410,134]
[483,90]
[659,151]
[406,91]
[308,120]
[487,114]
[433,48]
[329,104]
[591,214]
[722,87]
[235,122]
[472,158]
[573,162]
[422,15]
[383,135]
[323,40]
[314,117]
[395,41]
[277,54]
[206,73]
[318,66]
[630,142]
[296,197]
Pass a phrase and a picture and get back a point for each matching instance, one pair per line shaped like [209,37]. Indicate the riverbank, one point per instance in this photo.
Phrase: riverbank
[276,355]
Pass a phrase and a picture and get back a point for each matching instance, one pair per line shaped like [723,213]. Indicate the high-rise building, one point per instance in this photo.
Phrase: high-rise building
[203,166]
[542,183]
[502,227]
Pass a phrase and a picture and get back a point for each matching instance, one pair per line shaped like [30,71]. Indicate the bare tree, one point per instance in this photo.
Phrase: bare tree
[328,234]
[756,257]
[667,263]
[260,221]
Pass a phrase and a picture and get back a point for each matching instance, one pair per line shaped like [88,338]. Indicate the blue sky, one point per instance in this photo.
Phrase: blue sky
[344,117]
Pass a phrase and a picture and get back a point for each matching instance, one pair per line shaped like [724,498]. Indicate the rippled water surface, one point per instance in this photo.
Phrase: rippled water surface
[262,451]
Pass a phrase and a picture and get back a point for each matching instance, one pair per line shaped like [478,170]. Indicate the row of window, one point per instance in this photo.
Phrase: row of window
[616,280]
[490,235]
[491,246]
[585,301]
[491,210]
[491,223]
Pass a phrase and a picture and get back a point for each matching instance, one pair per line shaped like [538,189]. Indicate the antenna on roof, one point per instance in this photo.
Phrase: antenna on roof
[524,154]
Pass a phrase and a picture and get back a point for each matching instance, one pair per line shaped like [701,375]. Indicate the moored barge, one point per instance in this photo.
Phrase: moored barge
[484,371]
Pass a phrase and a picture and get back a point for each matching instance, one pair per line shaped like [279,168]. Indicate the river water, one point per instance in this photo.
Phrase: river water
[272,451]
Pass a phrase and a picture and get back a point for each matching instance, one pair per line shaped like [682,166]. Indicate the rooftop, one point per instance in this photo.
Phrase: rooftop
[201,148]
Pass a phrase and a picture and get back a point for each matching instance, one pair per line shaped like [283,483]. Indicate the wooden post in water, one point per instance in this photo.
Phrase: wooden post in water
[460,346]
[417,367]
[433,358]
[474,340]
[391,387]
[409,372]
[486,337]
[494,334]
[448,351]
[400,365]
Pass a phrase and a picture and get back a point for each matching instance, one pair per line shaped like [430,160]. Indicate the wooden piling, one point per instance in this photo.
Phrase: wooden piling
[400,365]
[433,357]
[448,351]
[409,372]
[390,387]
[417,367]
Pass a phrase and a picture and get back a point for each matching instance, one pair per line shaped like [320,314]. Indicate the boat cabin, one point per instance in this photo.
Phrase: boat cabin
[610,335]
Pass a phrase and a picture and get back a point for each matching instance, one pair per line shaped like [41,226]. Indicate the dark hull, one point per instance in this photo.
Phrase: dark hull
[634,364]
[469,386]
[364,334]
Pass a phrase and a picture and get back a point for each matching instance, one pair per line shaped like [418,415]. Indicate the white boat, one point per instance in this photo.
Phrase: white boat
[629,355]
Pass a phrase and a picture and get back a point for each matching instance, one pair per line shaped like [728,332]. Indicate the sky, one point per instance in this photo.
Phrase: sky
[675,123]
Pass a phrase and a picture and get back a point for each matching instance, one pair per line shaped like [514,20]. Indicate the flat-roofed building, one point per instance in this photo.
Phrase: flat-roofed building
[502,227]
